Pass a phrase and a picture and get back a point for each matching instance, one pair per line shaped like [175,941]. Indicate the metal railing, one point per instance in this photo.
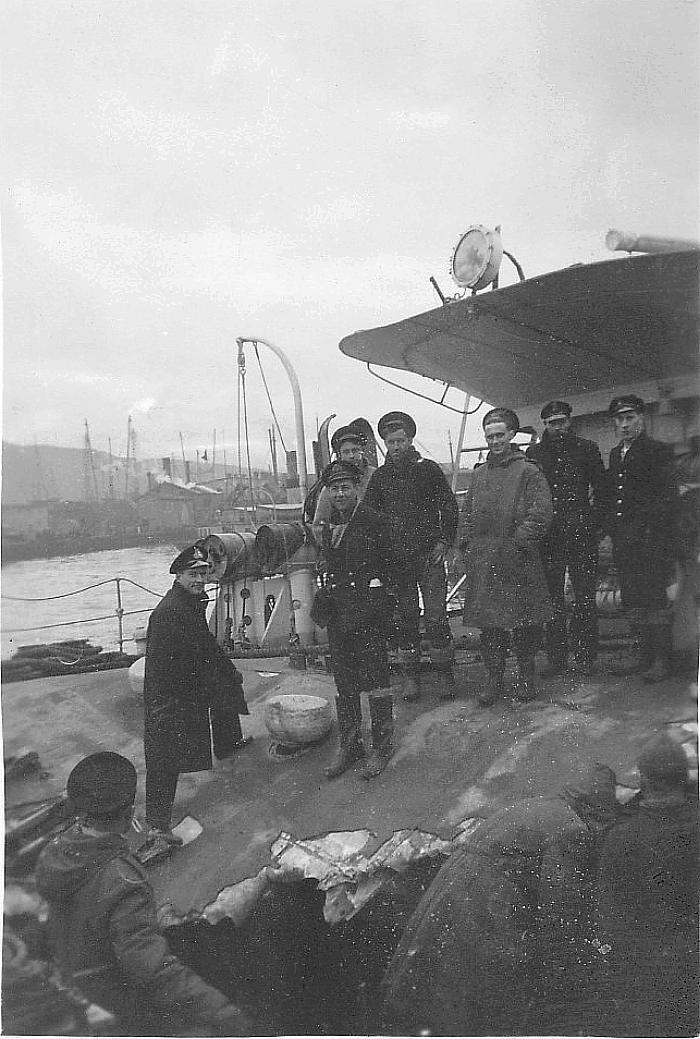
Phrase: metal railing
[119,612]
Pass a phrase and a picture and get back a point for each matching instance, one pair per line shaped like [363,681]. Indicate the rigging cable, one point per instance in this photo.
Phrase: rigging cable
[267,391]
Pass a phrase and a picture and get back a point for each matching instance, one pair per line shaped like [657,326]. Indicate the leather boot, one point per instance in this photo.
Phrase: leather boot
[381,712]
[662,646]
[410,664]
[493,654]
[350,748]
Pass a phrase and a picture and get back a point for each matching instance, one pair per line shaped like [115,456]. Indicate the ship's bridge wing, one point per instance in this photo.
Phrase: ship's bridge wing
[572,331]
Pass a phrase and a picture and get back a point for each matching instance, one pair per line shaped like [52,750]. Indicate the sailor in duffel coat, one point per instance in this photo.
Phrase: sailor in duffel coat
[354,605]
[641,521]
[577,481]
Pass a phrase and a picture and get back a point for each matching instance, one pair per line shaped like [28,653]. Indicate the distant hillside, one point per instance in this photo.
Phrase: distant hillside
[32,473]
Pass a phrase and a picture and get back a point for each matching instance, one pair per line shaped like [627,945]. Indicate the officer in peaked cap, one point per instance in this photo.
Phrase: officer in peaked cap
[191,558]
[349,443]
[641,519]
[576,477]
[413,496]
[352,602]
[193,694]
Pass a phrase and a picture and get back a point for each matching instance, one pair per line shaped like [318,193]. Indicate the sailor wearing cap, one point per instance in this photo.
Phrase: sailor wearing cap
[413,496]
[647,902]
[576,477]
[191,691]
[102,916]
[506,514]
[353,603]
[348,443]
[641,520]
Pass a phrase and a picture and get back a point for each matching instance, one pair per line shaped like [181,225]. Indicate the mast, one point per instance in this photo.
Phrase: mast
[128,459]
[213,456]
[92,491]
[184,460]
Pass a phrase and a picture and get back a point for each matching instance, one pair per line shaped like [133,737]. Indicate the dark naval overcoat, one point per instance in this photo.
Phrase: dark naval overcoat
[506,513]
[187,672]
[642,521]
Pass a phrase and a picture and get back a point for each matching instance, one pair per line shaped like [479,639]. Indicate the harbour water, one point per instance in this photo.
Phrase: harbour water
[26,623]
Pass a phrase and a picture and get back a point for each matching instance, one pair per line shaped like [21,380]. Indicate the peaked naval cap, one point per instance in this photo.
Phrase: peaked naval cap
[394,420]
[191,558]
[560,408]
[340,471]
[350,432]
[628,402]
[102,783]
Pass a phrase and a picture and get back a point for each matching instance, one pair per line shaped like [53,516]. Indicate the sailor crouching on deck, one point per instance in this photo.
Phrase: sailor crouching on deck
[192,693]
[102,916]
[354,605]
[413,496]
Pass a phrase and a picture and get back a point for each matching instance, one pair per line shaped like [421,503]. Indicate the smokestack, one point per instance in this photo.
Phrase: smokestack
[188,478]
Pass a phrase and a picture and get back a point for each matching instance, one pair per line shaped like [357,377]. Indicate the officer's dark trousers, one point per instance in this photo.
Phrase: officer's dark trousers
[577,551]
[161,785]
[431,579]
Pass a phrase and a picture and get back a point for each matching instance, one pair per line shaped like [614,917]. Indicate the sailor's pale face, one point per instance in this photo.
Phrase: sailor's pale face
[397,443]
[193,581]
[498,436]
[628,425]
[343,494]
[351,451]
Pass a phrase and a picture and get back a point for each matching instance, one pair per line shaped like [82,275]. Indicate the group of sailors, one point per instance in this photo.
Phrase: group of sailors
[527,519]
[510,921]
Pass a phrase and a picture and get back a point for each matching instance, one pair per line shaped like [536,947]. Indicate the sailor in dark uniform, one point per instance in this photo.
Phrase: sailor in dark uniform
[354,605]
[641,520]
[577,481]
[413,496]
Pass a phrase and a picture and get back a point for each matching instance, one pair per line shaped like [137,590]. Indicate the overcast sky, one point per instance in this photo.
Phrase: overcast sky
[182,173]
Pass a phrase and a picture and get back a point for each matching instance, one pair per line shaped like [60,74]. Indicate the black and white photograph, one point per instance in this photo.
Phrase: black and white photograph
[350,501]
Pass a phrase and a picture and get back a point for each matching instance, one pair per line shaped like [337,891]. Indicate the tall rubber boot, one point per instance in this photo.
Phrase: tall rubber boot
[381,712]
[662,641]
[493,654]
[525,644]
[442,659]
[409,659]
[350,748]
